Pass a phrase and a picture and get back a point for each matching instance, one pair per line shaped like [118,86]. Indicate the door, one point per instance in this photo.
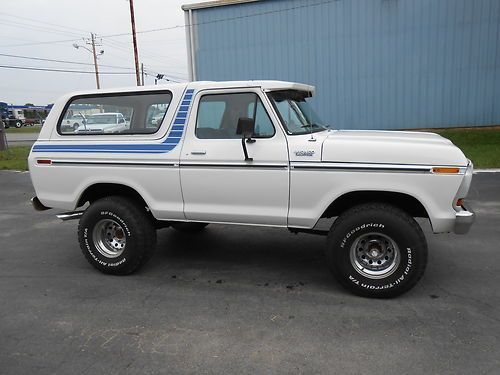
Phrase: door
[218,184]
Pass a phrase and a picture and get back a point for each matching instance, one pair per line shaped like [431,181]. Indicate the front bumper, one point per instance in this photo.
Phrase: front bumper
[464,219]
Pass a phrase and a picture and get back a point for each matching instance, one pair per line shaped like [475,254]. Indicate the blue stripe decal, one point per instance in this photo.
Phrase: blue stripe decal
[173,138]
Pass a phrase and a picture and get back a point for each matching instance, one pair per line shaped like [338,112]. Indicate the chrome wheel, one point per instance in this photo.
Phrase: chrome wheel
[375,255]
[109,238]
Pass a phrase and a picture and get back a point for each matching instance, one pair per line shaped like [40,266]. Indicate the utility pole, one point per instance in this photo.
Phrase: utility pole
[92,41]
[142,72]
[92,38]
[136,56]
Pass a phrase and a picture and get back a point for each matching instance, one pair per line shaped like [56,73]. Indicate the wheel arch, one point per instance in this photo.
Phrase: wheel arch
[100,190]
[403,201]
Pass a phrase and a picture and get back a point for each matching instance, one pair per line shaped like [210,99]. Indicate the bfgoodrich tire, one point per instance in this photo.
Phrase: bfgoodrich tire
[377,250]
[116,235]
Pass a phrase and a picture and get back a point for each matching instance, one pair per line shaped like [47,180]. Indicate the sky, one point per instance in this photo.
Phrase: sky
[48,30]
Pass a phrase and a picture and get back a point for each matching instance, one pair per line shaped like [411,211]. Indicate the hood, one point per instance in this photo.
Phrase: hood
[391,147]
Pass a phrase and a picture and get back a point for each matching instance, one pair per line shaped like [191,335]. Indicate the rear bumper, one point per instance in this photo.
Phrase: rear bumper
[464,219]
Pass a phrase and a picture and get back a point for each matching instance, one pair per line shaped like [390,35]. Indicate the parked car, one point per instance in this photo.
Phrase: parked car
[103,123]
[250,153]
[74,121]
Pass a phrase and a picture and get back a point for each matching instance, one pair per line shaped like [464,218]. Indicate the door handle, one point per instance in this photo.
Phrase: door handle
[198,152]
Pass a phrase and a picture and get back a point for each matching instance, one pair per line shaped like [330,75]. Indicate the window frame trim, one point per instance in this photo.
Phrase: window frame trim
[107,95]
[282,121]
[233,93]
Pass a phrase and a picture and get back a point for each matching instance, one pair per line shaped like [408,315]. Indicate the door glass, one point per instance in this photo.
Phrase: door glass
[218,116]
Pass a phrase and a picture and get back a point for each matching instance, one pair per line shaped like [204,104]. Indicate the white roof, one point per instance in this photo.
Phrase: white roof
[200,85]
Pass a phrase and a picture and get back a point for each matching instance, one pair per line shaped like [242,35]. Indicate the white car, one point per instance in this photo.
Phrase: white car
[250,153]
[74,121]
[103,123]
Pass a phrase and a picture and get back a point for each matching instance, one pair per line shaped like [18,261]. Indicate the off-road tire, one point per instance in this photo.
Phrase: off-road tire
[373,223]
[189,227]
[137,229]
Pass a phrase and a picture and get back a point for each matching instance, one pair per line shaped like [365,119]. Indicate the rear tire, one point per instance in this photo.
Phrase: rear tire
[116,235]
[377,250]
[189,227]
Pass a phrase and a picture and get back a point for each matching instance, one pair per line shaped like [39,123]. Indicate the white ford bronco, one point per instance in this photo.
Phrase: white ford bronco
[252,153]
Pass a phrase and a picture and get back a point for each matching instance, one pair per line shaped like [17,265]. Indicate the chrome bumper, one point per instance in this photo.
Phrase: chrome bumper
[463,220]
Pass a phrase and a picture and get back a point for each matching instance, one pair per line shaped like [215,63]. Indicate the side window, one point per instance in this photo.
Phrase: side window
[263,125]
[155,115]
[135,113]
[218,116]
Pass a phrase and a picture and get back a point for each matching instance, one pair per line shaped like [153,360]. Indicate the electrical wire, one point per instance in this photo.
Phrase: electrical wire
[183,26]
[166,76]
[59,70]
[224,19]
[61,61]
[44,22]
[25,26]
[40,43]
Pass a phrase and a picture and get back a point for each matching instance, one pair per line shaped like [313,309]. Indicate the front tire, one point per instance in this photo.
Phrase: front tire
[116,235]
[19,124]
[377,250]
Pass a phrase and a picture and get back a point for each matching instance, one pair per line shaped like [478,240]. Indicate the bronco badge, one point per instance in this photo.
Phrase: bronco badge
[304,153]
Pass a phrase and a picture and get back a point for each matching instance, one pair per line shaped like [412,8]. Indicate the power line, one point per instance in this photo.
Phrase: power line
[75,71]
[59,70]
[183,26]
[25,26]
[224,19]
[45,23]
[39,43]
[60,61]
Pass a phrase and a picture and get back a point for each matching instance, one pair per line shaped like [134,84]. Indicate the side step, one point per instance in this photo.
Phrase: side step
[70,215]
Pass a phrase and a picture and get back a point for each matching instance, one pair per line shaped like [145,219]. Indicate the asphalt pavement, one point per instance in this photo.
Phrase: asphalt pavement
[21,139]
[240,300]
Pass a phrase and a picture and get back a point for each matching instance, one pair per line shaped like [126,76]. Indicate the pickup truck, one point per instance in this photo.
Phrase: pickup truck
[249,153]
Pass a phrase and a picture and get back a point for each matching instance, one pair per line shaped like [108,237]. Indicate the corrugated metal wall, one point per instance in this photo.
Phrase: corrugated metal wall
[376,64]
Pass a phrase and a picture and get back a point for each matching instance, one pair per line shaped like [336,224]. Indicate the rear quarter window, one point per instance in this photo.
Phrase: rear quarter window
[121,113]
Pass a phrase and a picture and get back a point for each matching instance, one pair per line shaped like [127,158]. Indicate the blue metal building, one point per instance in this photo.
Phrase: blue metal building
[376,64]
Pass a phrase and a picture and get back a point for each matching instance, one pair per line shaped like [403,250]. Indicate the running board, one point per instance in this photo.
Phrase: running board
[70,215]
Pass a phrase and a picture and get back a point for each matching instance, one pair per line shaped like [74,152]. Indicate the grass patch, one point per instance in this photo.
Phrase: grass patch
[15,158]
[482,146]
[24,129]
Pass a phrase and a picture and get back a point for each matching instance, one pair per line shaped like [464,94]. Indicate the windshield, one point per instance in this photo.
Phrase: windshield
[296,114]
[101,119]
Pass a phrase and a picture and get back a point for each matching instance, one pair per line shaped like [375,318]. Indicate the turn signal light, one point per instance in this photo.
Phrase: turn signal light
[445,170]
